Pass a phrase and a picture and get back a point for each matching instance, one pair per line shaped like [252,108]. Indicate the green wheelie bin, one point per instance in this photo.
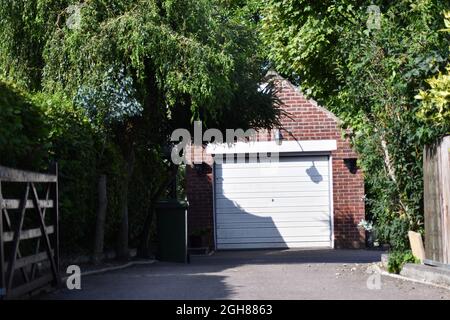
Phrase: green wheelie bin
[171,221]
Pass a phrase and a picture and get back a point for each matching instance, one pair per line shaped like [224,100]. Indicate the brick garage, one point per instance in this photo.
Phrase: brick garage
[305,121]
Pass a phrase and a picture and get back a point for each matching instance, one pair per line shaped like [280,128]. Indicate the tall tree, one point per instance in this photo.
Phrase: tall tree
[139,68]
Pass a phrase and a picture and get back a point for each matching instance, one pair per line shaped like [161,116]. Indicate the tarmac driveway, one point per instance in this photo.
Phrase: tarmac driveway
[262,274]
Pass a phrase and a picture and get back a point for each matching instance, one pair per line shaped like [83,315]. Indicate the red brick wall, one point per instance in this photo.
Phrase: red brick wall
[200,195]
[305,121]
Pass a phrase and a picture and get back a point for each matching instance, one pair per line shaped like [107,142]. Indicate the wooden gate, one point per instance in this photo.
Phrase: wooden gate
[29,234]
[436,171]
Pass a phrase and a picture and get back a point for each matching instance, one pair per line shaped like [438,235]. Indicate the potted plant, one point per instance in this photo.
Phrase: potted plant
[367,226]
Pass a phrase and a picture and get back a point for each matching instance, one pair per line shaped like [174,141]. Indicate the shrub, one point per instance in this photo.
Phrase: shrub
[435,107]
[398,258]
[39,128]
[395,232]
[23,131]
[72,145]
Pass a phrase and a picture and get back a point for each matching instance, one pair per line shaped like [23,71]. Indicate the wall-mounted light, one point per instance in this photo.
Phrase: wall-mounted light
[351,164]
[278,137]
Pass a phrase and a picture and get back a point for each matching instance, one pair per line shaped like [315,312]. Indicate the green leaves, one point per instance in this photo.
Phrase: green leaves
[435,101]
[172,62]
[435,108]
[23,130]
[114,101]
[398,258]
[369,77]
[446,21]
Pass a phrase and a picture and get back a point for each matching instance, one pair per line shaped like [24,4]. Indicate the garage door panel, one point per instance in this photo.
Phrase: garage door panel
[273,231]
[247,204]
[273,205]
[293,164]
[265,211]
[303,168]
[273,245]
[263,179]
[275,194]
[286,240]
[273,218]
[274,187]
[282,161]
[272,223]
[243,172]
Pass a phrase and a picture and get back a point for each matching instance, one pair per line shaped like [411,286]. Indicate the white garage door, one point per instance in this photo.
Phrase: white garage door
[267,205]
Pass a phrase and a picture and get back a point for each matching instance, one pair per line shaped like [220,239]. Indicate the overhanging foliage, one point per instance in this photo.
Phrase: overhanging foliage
[368,74]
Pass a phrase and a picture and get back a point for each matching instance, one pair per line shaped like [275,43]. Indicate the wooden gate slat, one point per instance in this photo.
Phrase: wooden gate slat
[13,231]
[30,286]
[14,175]
[27,234]
[46,238]
[19,254]
[13,258]
[35,266]
[30,260]
[15,203]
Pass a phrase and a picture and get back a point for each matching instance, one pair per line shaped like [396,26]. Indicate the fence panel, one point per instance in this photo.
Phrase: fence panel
[436,169]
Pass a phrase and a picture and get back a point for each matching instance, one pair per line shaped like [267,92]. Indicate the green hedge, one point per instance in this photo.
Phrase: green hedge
[23,130]
[37,129]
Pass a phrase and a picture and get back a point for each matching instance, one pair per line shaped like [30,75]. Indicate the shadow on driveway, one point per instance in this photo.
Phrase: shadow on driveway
[286,256]
[224,275]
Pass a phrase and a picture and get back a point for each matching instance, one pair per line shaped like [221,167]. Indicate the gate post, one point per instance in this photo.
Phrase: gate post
[2,253]
[55,219]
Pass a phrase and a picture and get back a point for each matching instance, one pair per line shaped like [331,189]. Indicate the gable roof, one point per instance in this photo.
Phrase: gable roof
[272,75]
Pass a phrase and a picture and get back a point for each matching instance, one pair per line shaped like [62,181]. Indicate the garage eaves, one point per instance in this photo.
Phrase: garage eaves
[298,146]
